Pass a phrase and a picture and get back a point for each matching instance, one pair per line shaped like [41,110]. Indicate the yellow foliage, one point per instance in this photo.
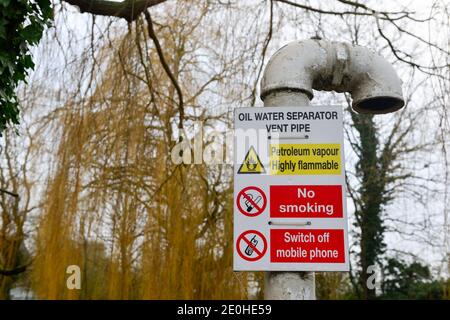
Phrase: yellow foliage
[139,226]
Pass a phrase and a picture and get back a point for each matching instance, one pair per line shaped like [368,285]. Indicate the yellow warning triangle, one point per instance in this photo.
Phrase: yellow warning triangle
[252,163]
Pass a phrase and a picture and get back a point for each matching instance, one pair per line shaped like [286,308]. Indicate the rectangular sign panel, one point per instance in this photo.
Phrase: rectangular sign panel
[289,190]
[304,158]
[303,201]
[307,246]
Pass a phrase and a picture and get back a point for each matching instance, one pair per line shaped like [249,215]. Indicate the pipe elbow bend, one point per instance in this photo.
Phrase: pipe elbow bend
[294,67]
[321,65]
[376,87]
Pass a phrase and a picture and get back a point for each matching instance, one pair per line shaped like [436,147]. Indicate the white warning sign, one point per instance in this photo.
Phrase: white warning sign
[289,190]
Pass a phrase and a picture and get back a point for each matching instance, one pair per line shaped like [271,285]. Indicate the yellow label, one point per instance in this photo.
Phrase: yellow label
[302,159]
[251,163]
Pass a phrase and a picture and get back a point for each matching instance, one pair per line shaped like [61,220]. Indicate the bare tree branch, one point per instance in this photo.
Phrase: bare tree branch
[263,54]
[128,9]
[367,11]
[361,9]
[152,35]
[14,271]
[410,62]
[9,193]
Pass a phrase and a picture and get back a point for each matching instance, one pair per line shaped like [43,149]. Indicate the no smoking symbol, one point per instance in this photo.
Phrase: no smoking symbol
[251,245]
[251,201]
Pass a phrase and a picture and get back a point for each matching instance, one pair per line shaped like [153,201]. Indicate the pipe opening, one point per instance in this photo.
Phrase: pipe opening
[379,105]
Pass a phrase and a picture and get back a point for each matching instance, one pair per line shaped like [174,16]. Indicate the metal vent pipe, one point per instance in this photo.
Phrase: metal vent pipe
[322,65]
[289,79]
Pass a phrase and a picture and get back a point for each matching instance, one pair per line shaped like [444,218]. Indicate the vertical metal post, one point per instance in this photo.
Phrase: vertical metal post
[289,79]
[288,285]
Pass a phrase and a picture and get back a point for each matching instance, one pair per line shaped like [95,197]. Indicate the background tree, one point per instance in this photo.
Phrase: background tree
[15,204]
[411,281]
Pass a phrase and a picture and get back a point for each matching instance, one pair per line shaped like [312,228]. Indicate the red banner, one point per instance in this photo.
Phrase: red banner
[306,201]
[307,246]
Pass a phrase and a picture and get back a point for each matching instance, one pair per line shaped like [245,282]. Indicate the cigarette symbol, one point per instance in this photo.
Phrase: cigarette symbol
[251,201]
[248,205]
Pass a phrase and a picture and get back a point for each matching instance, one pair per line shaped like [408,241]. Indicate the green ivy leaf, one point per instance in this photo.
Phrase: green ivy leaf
[28,62]
[15,41]
[31,33]
[4,3]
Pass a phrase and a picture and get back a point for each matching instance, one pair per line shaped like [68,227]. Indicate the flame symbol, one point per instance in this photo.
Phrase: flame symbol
[251,164]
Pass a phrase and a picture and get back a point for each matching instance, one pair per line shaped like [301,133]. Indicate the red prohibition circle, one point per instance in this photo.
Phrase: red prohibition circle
[260,209]
[259,254]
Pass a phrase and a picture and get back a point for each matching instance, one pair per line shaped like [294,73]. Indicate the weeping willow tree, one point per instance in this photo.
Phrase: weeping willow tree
[138,225]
